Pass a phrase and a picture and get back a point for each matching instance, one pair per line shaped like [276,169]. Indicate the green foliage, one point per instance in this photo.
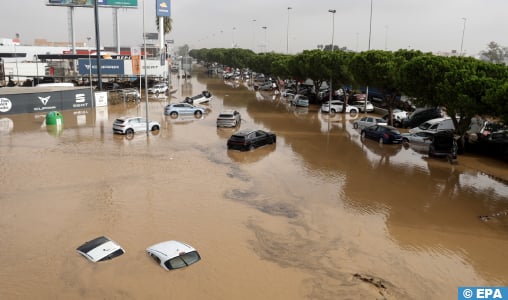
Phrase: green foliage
[463,86]
[167,24]
[495,53]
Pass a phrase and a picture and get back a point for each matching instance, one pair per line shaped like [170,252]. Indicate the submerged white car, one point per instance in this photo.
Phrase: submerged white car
[100,249]
[172,255]
[336,106]
[130,125]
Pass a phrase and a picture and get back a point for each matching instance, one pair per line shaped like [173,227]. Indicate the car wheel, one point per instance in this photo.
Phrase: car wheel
[355,125]
[404,140]
[332,110]
[381,140]
[129,131]
[198,114]
[155,127]
[397,124]
[173,114]
[353,112]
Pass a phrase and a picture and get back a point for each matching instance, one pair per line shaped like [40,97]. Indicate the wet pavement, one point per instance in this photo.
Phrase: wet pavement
[320,215]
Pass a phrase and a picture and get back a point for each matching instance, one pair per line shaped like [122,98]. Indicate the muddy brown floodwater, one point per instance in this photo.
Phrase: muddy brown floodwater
[320,215]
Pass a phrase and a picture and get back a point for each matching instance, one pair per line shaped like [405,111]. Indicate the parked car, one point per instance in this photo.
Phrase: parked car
[100,249]
[266,86]
[176,109]
[368,121]
[336,106]
[130,125]
[159,88]
[398,116]
[229,118]
[383,133]
[444,144]
[172,255]
[421,115]
[129,94]
[248,139]
[300,101]
[434,125]
[363,107]
[421,137]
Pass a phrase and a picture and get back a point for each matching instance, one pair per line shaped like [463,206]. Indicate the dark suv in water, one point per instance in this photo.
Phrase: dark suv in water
[421,115]
[248,139]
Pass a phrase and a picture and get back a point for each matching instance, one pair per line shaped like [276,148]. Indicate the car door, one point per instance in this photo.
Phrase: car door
[371,132]
[140,124]
[189,109]
[261,138]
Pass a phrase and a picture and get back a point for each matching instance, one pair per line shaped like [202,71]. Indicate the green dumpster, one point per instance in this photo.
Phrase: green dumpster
[54,118]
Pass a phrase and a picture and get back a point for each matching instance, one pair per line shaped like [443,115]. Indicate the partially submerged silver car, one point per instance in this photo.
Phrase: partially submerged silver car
[173,254]
[100,249]
[229,118]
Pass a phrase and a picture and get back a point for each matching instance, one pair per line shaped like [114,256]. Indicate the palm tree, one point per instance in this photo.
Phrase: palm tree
[167,24]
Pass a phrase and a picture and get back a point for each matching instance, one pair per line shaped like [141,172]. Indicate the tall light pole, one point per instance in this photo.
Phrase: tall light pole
[287,33]
[370,23]
[463,31]
[333,11]
[90,68]
[253,37]
[370,32]
[144,58]
[233,36]
[266,43]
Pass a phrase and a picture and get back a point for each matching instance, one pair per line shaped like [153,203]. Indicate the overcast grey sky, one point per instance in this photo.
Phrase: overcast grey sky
[427,25]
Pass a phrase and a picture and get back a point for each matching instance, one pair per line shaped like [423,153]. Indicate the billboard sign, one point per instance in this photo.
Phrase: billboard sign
[163,8]
[108,66]
[90,3]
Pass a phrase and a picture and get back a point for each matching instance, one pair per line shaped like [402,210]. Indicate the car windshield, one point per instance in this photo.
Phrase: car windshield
[184,260]
[425,125]
[225,116]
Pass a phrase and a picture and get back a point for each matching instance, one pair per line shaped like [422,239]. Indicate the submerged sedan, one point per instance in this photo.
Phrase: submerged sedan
[172,255]
[383,133]
[248,139]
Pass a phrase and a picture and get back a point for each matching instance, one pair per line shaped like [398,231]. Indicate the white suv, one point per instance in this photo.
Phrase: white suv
[159,88]
[336,106]
[130,125]
[228,118]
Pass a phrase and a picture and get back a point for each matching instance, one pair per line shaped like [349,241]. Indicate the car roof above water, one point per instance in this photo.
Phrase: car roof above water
[244,132]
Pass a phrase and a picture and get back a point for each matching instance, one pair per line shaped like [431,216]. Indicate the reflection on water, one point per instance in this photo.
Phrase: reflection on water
[321,210]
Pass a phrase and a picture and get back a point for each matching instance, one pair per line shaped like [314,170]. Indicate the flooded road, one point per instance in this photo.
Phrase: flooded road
[320,215]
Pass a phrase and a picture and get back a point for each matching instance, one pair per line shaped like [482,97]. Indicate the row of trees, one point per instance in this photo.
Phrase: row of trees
[463,86]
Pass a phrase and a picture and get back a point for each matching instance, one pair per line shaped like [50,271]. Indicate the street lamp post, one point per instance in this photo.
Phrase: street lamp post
[463,31]
[90,68]
[333,11]
[146,79]
[233,36]
[253,37]
[370,31]
[266,43]
[287,33]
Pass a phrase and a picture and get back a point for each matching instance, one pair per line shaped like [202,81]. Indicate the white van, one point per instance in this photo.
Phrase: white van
[434,125]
